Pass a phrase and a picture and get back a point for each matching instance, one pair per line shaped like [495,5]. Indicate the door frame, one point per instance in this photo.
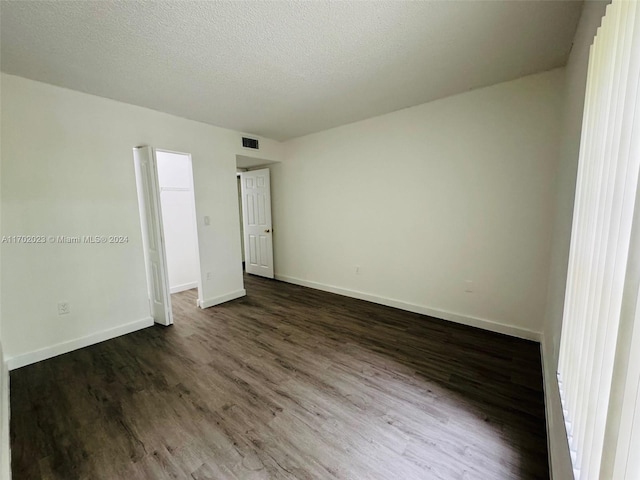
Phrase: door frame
[149,208]
[195,218]
[155,194]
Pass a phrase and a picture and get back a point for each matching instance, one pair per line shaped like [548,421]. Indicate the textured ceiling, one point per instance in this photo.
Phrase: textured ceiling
[282,69]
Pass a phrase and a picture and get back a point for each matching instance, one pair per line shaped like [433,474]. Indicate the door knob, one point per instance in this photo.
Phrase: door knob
[267,230]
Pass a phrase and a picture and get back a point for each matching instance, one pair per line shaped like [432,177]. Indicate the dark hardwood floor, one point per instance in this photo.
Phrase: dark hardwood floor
[288,383]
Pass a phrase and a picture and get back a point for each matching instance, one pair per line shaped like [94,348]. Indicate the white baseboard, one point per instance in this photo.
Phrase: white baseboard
[183,287]
[5,444]
[560,466]
[210,302]
[432,312]
[68,346]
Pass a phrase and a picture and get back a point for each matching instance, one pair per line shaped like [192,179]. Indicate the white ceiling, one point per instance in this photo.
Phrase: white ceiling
[243,161]
[282,69]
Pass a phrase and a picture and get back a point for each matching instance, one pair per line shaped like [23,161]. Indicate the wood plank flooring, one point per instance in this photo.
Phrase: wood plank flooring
[286,383]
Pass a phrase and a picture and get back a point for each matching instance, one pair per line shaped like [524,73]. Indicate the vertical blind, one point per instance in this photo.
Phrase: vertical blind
[603,219]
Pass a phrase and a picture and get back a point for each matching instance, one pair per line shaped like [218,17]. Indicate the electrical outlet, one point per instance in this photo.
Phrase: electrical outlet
[64,308]
[209,275]
[207,220]
[468,286]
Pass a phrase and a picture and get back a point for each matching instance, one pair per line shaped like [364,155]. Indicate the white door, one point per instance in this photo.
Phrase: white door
[152,239]
[256,217]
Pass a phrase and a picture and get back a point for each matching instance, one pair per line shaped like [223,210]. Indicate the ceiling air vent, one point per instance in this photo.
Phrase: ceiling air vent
[250,143]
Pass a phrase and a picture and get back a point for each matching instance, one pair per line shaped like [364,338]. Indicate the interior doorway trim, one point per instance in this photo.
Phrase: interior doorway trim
[153,234]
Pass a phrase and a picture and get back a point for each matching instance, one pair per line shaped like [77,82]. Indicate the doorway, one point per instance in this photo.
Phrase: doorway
[239,186]
[177,203]
[168,218]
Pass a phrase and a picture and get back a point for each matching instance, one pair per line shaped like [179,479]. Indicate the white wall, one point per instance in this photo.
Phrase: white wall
[178,218]
[67,169]
[427,198]
[5,452]
[564,192]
